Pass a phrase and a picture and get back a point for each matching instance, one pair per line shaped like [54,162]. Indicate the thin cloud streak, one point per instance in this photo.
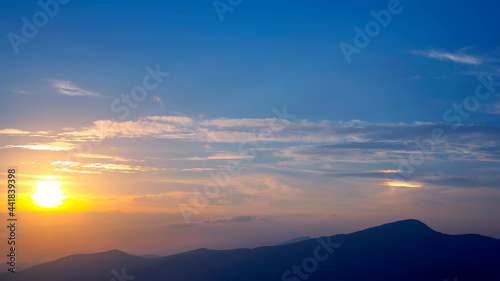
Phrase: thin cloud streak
[69,89]
[443,56]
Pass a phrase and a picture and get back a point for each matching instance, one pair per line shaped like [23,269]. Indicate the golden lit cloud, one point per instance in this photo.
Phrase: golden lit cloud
[13,132]
[16,132]
[65,163]
[119,167]
[402,184]
[52,146]
[77,171]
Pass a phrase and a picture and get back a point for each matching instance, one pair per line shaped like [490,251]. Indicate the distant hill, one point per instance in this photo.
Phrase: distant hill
[150,256]
[405,250]
[295,240]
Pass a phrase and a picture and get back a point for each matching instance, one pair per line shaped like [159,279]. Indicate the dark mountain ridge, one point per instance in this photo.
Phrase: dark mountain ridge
[403,250]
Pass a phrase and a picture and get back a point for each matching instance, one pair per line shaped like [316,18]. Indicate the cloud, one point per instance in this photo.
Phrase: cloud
[53,146]
[99,167]
[302,141]
[238,123]
[21,92]
[302,146]
[463,181]
[163,197]
[235,219]
[180,120]
[76,171]
[199,169]
[219,156]
[173,127]
[211,131]
[459,57]
[101,156]
[375,143]
[65,163]
[402,184]
[120,167]
[159,101]
[13,132]
[69,89]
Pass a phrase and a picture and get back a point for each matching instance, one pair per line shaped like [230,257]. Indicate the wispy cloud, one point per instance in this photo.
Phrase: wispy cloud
[69,89]
[21,92]
[17,132]
[459,57]
[76,167]
[52,146]
[13,132]
[159,101]
[102,156]
[219,156]
[234,219]
[162,197]
[199,169]
[303,141]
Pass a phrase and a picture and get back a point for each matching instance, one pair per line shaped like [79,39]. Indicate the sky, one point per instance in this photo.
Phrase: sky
[175,125]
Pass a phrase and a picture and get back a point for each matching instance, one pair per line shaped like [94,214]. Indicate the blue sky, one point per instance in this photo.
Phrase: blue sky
[353,121]
[264,54]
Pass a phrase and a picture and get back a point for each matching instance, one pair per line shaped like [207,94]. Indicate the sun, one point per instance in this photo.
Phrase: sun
[48,194]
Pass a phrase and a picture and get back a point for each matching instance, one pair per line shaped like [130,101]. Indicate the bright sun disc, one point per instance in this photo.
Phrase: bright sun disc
[48,194]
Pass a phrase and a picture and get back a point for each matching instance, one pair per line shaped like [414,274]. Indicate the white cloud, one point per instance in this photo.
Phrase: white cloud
[69,89]
[459,57]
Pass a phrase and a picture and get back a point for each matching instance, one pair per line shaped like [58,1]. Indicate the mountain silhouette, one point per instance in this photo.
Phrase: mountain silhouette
[405,250]
[295,240]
